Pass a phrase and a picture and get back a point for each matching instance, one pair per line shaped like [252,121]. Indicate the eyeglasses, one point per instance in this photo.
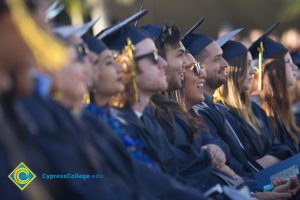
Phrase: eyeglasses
[153,56]
[195,67]
[82,50]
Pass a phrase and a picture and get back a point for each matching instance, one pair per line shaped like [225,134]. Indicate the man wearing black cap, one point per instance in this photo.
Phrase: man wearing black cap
[168,42]
[209,53]
[171,48]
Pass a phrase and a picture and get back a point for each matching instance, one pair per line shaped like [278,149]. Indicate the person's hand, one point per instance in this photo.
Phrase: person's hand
[279,181]
[217,155]
[228,171]
[283,190]
[272,195]
[292,186]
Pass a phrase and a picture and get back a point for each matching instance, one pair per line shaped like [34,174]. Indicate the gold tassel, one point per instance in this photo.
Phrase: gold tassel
[260,70]
[86,98]
[49,53]
[129,49]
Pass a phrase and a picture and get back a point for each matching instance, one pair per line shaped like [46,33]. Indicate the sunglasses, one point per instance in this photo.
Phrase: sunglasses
[195,67]
[153,56]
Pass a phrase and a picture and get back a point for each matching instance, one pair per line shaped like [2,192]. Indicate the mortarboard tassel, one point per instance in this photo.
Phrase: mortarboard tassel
[129,48]
[49,52]
[86,98]
[260,59]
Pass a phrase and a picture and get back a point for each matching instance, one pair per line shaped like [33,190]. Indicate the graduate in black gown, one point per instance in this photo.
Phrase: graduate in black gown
[106,84]
[279,74]
[214,121]
[151,79]
[66,145]
[13,148]
[177,124]
[107,143]
[210,54]
[54,142]
[247,118]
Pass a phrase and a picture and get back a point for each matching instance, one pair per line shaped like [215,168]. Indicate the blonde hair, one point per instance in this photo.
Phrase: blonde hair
[230,93]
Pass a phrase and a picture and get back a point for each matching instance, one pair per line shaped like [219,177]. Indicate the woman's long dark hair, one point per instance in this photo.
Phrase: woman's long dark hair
[166,108]
[172,102]
[275,96]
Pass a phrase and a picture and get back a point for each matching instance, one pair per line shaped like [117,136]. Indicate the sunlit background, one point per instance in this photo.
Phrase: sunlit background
[220,15]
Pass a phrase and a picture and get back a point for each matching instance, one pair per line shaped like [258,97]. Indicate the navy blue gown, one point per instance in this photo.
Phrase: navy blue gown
[220,128]
[66,148]
[259,144]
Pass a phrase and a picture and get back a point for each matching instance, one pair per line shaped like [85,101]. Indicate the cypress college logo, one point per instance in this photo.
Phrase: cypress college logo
[22,176]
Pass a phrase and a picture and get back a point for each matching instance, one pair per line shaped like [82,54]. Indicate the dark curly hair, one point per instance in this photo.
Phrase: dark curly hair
[169,36]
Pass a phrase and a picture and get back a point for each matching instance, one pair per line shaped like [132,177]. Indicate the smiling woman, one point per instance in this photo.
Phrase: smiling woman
[193,82]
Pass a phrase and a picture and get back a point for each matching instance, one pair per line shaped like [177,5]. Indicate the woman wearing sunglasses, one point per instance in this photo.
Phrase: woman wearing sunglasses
[194,81]
[147,69]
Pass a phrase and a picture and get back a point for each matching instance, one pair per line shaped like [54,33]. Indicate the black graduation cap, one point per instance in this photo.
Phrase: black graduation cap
[116,36]
[194,27]
[154,30]
[95,45]
[265,48]
[118,40]
[115,27]
[231,49]
[271,48]
[195,43]
[228,36]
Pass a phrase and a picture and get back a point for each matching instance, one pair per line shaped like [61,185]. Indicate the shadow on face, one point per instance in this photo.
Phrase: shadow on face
[176,59]
[151,77]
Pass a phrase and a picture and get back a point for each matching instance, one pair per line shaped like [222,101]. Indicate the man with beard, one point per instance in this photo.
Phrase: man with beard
[209,53]
[170,118]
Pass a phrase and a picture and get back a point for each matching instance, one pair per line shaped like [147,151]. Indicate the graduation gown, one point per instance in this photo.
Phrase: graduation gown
[10,157]
[272,145]
[132,142]
[256,145]
[184,140]
[284,137]
[193,168]
[151,183]
[219,128]
[54,131]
